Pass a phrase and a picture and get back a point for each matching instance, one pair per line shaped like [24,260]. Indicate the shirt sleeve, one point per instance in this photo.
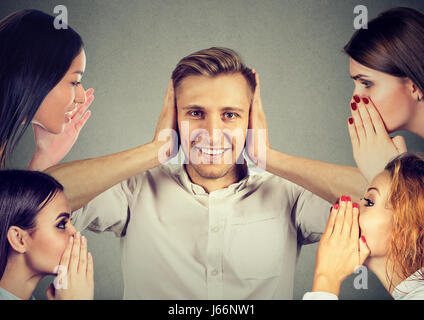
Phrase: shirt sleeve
[319,296]
[109,211]
[416,294]
[311,215]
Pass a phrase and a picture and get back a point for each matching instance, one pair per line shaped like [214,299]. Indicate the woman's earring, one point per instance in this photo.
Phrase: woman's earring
[419,98]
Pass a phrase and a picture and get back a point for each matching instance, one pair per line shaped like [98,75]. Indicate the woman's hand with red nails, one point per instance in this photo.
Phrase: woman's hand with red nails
[372,146]
[257,140]
[340,250]
[75,280]
[51,148]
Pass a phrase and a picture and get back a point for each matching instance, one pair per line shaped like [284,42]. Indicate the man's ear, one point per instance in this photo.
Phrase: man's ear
[17,238]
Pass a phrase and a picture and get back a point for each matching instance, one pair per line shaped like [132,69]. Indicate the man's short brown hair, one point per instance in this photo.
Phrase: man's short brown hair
[212,62]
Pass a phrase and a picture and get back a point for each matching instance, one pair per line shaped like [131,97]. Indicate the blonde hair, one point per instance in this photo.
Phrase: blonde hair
[406,251]
[212,62]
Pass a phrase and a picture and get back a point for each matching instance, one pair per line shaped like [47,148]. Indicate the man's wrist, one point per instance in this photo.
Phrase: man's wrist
[158,151]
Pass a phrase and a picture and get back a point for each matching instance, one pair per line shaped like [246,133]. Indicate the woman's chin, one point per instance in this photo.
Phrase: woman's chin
[57,129]
[392,127]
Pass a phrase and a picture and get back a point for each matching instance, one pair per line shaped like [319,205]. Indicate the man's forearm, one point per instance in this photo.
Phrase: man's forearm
[83,180]
[326,180]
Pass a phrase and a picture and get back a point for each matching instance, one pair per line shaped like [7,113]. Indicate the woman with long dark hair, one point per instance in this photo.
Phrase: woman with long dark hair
[40,83]
[37,239]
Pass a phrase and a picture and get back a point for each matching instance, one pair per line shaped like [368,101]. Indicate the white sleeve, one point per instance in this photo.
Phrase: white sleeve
[319,296]
[312,214]
[416,294]
[109,211]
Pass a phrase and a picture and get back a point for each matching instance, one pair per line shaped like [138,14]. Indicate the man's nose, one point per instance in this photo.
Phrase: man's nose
[214,123]
[215,127]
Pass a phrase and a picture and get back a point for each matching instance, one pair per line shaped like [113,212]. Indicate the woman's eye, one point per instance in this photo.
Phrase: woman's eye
[369,202]
[366,84]
[62,224]
[76,83]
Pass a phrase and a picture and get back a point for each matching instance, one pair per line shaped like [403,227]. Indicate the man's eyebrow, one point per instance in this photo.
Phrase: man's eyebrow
[192,106]
[232,109]
[63,214]
[197,107]
[373,188]
[359,76]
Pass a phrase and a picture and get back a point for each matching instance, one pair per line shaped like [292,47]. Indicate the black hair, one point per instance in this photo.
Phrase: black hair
[23,194]
[34,57]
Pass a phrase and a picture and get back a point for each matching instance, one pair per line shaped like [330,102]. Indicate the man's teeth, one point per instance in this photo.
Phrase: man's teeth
[212,151]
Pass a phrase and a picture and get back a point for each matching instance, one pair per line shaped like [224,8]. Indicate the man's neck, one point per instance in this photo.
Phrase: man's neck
[235,174]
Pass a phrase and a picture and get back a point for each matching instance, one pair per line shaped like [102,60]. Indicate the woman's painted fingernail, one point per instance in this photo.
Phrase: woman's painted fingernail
[348,199]
[366,101]
[336,206]
[356,98]
[355,205]
[343,198]
[350,120]
[363,239]
[353,106]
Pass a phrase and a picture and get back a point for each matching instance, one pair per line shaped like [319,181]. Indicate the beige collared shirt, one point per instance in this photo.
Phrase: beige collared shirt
[179,242]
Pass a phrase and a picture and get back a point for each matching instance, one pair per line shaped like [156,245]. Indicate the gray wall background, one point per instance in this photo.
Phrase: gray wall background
[132,47]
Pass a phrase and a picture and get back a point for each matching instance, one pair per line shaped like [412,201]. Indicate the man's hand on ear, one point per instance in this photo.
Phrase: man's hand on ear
[167,127]
[257,141]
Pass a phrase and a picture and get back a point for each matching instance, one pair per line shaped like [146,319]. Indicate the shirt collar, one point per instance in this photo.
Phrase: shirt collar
[249,170]
[408,285]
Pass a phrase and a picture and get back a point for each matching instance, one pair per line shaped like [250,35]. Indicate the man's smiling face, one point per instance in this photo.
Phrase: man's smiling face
[207,104]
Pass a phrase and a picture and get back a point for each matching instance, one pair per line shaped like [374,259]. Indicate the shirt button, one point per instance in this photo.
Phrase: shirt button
[214,272]
[215,229]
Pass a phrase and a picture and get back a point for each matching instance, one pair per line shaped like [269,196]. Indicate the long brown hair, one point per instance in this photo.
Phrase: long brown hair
[393,44]
[406,251]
